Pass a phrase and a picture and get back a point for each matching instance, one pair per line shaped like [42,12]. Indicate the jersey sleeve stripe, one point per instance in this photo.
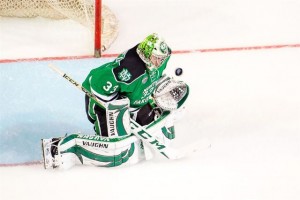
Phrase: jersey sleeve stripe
[105,98]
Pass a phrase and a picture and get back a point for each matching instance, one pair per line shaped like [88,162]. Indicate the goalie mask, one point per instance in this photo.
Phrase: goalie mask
[153,51]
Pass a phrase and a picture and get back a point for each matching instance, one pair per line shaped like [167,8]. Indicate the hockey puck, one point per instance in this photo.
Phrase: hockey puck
[178,71]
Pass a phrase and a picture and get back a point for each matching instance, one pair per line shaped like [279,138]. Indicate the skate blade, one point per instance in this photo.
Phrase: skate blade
[46,152]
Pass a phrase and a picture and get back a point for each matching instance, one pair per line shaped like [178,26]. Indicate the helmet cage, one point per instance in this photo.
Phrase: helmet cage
[158,60]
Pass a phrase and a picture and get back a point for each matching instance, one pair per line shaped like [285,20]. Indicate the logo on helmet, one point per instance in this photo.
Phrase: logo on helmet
[163,47]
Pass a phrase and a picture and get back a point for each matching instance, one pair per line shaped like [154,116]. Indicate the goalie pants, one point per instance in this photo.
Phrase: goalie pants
[144,116]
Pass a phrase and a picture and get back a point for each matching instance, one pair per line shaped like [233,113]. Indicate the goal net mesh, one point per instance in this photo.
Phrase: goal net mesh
[81,11]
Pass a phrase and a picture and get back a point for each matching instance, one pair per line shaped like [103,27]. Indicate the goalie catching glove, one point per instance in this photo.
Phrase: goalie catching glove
[170,94]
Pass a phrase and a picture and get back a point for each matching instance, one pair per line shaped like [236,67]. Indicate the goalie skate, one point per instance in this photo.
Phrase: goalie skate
[50,153]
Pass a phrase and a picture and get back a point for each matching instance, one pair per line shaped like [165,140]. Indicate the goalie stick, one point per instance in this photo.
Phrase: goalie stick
[136,129]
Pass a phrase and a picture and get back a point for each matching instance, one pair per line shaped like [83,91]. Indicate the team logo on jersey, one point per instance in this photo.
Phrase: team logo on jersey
[124,75]
[154,74]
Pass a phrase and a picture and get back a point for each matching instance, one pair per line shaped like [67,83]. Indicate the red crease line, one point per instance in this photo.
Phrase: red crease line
[174,52]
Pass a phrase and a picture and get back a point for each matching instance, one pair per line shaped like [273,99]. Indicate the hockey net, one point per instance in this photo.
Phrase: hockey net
[81,11]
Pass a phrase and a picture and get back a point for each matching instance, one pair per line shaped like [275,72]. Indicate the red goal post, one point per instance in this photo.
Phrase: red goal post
[98,18]
[98,25]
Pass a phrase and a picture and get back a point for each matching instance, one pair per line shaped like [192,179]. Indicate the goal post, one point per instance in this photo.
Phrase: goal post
[98,25]
[98,18]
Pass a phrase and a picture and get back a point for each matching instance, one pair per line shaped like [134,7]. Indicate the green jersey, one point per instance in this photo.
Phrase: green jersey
[127,75]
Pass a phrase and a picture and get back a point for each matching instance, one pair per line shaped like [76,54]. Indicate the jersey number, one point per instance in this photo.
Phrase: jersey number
[108,87]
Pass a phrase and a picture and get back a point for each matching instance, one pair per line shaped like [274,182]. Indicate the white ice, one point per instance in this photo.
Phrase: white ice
[246,103]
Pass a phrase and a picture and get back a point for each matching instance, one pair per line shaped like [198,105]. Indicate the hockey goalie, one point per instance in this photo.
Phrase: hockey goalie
[132,105]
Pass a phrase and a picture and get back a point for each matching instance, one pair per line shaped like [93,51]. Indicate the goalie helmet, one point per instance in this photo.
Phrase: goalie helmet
[153,50]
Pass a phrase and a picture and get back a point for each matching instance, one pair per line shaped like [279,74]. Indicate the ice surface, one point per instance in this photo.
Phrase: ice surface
[37,103]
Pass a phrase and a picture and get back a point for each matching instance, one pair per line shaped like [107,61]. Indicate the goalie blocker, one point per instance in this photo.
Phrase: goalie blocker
[121,147]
